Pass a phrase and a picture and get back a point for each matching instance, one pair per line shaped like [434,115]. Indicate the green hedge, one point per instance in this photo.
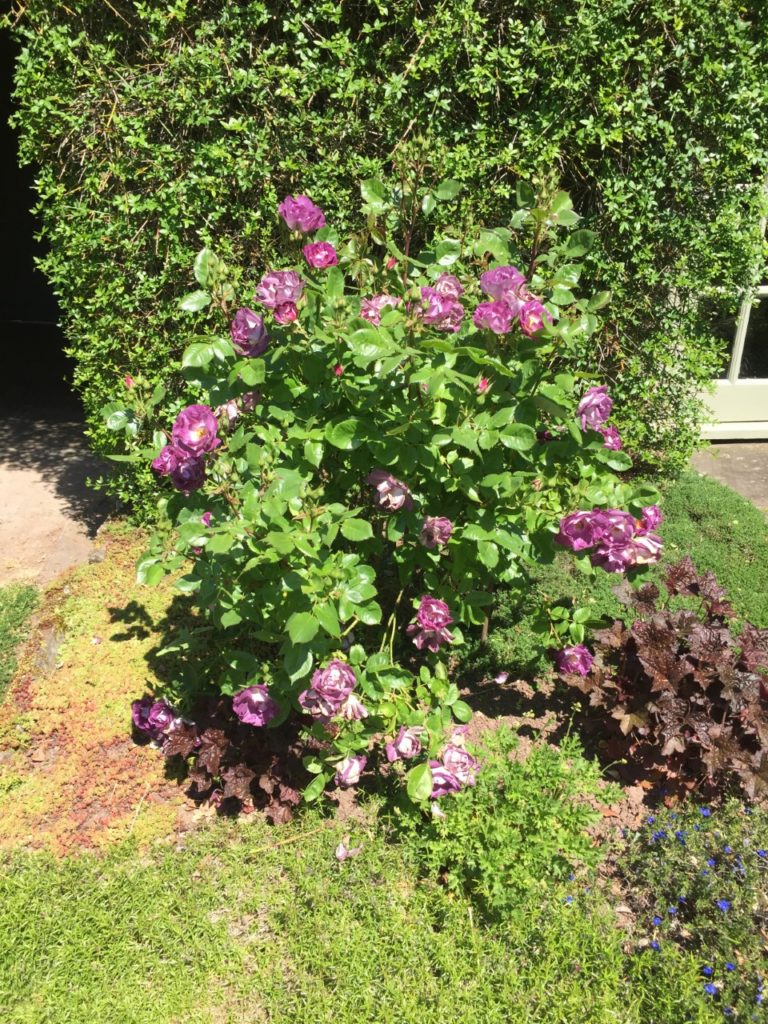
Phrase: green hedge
[158,126]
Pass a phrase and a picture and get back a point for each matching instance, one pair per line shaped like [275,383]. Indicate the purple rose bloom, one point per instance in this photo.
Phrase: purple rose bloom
[652,517]
[613,557]
[227,412]
[194,431]
[444,314]
[188,475]
[574,659]
[594,408]
[248,333]
[371,309]
[335,682]
[646,549]
[448,286]
[430,628]
[443,780]
[406,744]
[161,715]
[391,495]
[436,530]
[349,770]
[611,438]
[503,284]
[286,312]
[278,288]
[352,710]
[496,316]
[320,255]
[205,519]
[320,708]
[532,316]
[153,717]
[579,530]
[460,763]
[301,214]
[168,460]
[254,706]
[615,526]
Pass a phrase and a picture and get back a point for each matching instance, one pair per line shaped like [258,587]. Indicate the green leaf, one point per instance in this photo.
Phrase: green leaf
[201,266]
[117,420]
[328,618]
[297,662]
[369,343]
[619,461]
[149,571]
[334,283]
[343,433]
[356,529]
[580,242]
[518,436]
[448,189]
[428,203]
[598,300]
[313,452]
[447,252]
[462,712]
[193,302]
[302,627]
[419,783]
[197,354]
[315,789]
[525,194]
[374,193]
[488,553]
[370,614]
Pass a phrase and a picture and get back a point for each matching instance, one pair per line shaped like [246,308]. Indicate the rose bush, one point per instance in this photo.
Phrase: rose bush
[357,466]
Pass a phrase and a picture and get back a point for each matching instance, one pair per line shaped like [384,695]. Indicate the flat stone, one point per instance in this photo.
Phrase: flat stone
[742,465]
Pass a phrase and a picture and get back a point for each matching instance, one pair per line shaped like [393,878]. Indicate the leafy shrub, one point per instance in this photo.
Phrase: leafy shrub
[158,128]
[522,828]
[303,548]
[687,696]
[698,878]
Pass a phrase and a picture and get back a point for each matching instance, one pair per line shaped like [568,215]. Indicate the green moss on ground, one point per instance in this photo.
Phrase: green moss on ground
[17,602]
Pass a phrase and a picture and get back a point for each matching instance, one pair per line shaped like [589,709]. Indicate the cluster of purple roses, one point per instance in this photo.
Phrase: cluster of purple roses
[193,436]
[619,540]
[510,301]
[594,410]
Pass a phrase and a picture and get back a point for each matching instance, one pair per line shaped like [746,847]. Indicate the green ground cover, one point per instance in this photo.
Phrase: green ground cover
[17,602]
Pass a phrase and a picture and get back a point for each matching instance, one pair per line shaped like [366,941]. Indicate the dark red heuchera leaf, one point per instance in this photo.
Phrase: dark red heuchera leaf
[237,781]
[200,779]
[754,647]
[182,740]
[682,577]
[213,745]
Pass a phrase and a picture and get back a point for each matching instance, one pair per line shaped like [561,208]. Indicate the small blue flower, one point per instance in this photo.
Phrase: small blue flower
[568,899]
[673,816]
[704,812]
[681,899]
[762,853]
[710,989]
[697,828]
[724,905]
[672,910]
[655,945]
[656,922]
[730,967]
[658,836]
[727,1011]
[711,862]
[571,877]
[650,819]
[680,836]
[705,872]
[708,971]
[727,849]
[586,890]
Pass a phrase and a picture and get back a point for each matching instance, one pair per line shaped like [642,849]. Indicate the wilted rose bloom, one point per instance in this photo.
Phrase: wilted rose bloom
[651,517]
[194,430]
[228,411]
[613,557]
[352,710]
[343,851]
[254,706]
[448,286]
[317,706]
[502,283]
[611,438]
[250,400]
[168,459]
[301,214]
[406,744]
[436,530]
[205,519]
[461,763]
[482,385]
[320,255]
[496,316]
[188,475]
[646,549]
[391,495]
[442,313]
[532,316]
[443,780]
[574,659]
[335,682]
[371,309]
[595,407]
[248,333]
[279,287]
[349,770]
[430,628]
[579,530]
[615,526]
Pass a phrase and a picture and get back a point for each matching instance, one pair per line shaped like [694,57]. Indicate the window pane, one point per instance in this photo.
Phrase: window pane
[754,362]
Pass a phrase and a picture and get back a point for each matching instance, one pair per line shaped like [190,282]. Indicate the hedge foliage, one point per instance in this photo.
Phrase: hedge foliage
[158,127]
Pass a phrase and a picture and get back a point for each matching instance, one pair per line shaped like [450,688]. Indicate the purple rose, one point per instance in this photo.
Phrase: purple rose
[460,763]
[444,314]
[279,288]
[532,316]
[443,780]
[613,557]
[371,309]
[349,770]
[205,519]
[153,717]
[611,438]
[168,460]
[194,431]
[254,706]
[436,530]
[594,408]
[188,475]
[335,682]
[646,549]
[496,316]
[320,255]
[406,744]
[301,214]
[651,517]
[391,495]
[430,628]
[615,526]
[286,312]
[574,659]
[320,708]
[248,333]
[448,286]
[352,710]
[579,530]
[503,284]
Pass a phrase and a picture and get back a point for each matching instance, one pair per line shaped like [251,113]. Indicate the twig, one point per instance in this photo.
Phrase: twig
[284,842]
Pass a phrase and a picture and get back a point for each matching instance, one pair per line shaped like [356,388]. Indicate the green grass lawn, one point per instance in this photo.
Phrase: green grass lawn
[17,602]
